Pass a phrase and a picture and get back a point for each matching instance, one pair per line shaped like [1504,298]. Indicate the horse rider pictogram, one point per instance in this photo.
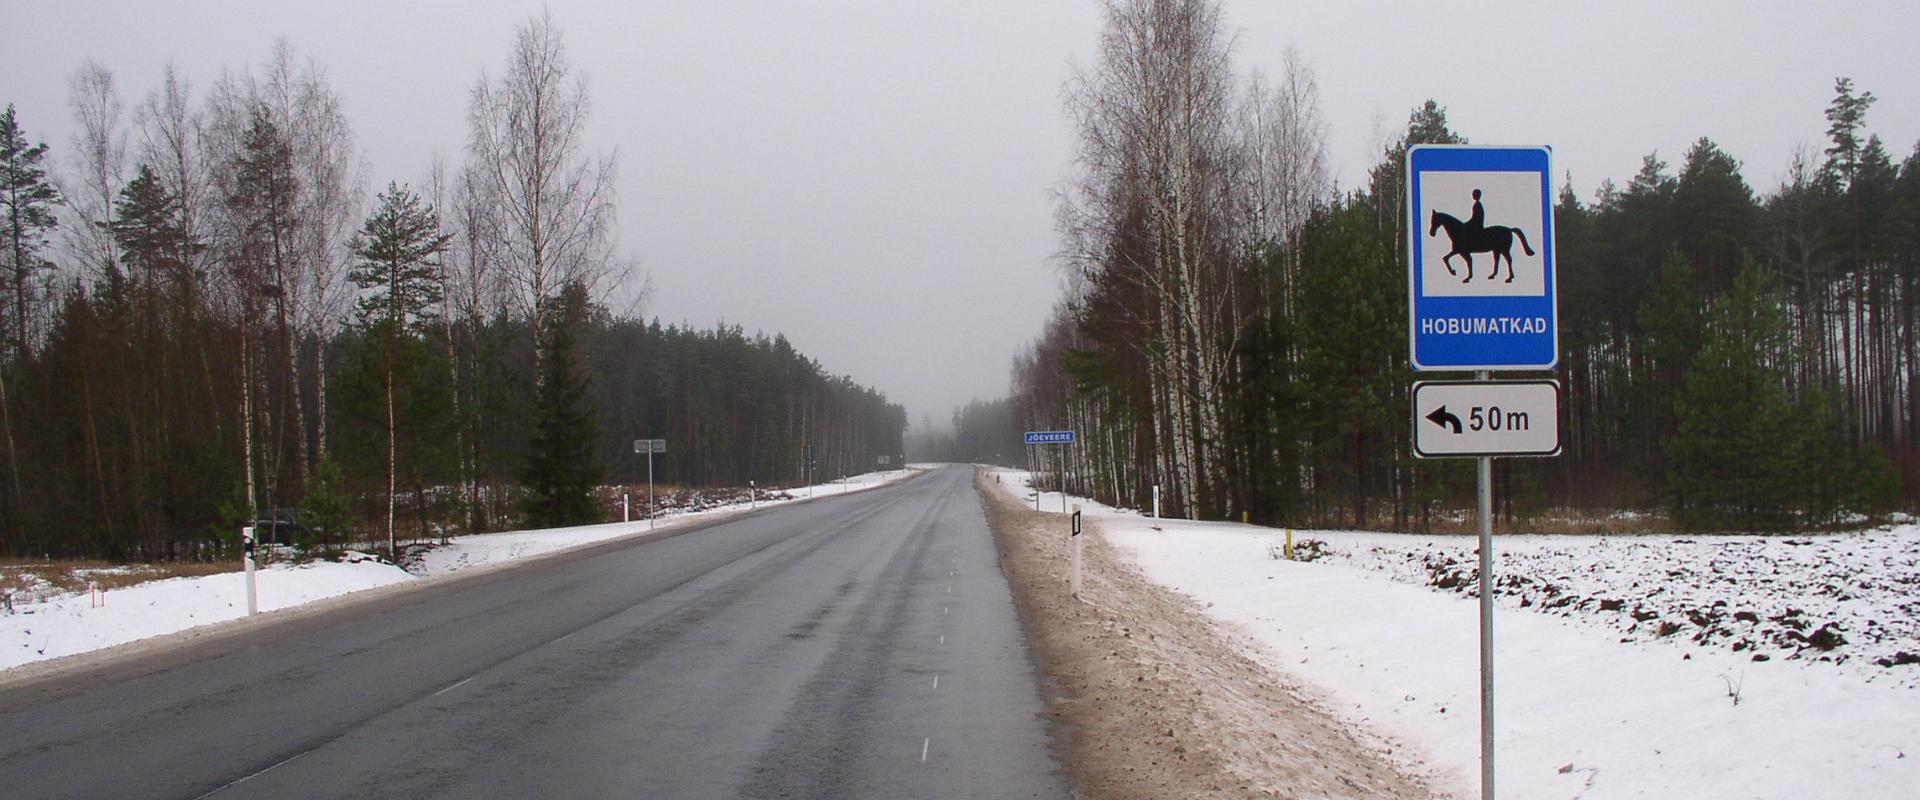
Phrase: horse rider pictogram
[1475,236]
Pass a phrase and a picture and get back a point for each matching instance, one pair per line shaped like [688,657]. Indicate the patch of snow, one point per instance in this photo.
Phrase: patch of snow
[69,623]
[50,624]
[1587,704]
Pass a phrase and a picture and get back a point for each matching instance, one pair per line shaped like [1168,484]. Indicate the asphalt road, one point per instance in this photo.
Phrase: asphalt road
[863,646]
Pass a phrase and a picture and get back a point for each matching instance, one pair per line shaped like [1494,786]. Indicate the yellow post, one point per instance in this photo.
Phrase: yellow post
[1243,517]
[1289,544]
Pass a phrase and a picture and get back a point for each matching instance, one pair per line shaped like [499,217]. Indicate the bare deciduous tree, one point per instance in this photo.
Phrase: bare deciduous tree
[1284,160]
[99,165]
[1153,210]
[547,206]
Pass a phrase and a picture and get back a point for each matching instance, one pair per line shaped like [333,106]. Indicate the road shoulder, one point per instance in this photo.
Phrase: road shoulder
[1152,699]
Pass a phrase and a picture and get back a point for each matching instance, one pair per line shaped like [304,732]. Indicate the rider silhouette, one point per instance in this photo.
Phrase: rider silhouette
[1478,221]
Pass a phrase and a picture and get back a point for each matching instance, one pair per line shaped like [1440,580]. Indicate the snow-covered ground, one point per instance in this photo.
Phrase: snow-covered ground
[1618,659]
[56,624]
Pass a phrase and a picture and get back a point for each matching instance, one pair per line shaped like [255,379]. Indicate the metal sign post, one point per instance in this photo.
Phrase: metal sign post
[1494,206]
[1052,437]
[1484,476]
[650,446]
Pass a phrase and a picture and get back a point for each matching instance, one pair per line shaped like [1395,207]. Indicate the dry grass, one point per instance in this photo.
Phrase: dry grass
[31,579]
[1553,521]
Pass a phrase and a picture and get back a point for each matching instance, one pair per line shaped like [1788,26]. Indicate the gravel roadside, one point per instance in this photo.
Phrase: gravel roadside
[1154,700]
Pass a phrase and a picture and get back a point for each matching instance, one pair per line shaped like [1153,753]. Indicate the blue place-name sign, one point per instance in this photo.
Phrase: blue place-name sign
[1481,283]
[1050,437]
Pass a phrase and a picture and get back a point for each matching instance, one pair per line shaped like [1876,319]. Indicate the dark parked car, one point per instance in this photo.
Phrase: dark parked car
[284,526]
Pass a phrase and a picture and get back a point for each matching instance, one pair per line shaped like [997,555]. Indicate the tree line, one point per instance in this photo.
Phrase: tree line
[201,318]
[1235,330]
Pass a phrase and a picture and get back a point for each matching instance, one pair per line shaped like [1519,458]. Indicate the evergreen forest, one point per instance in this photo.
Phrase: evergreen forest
[1731,357]
[205,316]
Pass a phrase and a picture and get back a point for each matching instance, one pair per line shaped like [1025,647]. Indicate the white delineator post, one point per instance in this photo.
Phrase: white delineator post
[1074,578]
[626,507]
[246,555]
[1156,501]
[753,499]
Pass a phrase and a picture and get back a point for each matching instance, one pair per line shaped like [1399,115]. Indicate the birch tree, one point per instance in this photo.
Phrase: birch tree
[1152,209]
[98,164]
[549,203]
[1284,171]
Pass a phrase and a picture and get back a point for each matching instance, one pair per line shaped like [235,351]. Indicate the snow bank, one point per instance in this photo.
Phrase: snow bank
[66,624]
[69,624]
[1588,705]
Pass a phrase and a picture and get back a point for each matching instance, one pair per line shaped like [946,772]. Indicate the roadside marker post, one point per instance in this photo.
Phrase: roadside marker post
[1074,581]
[246,555]
[1156,501]
[1497,203]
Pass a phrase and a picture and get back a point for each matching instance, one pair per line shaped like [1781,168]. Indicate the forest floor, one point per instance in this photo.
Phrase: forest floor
[1154,701]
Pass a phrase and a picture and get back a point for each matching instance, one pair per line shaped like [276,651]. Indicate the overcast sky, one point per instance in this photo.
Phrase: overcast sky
[873,178]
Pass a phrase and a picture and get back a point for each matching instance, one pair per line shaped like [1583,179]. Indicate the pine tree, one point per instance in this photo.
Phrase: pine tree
[146,226]
[27,199]
[1738,456]
[562,469]
[26,214]
[1846,115]
[399,269]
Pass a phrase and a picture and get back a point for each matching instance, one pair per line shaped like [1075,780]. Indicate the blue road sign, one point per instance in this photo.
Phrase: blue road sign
[1050,437]
[1482,289]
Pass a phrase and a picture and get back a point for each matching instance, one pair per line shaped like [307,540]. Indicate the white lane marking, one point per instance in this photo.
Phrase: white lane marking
[936,681]
[946,609]
[943,638]
[284,762]
[923,750]
[456,685]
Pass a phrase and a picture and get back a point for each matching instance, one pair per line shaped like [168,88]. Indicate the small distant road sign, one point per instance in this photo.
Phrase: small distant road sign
[1481,259]
[1050,437]
[1486,418]
[649,445]
[884,460]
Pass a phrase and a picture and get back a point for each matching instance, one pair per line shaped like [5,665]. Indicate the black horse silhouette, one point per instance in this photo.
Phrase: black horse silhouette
[1495,239]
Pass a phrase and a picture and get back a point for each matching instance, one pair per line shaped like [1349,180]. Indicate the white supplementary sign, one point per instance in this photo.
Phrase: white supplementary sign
[649,445]
[1486,418]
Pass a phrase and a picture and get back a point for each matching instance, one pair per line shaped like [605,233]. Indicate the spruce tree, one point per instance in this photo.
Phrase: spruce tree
[562,469]
[1671,330]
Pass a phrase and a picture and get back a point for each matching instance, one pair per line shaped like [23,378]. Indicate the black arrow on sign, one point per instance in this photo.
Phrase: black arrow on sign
[1441,417]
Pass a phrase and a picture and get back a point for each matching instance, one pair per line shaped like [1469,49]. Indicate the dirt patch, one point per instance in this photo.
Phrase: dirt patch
[28,581]
[1154,700]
